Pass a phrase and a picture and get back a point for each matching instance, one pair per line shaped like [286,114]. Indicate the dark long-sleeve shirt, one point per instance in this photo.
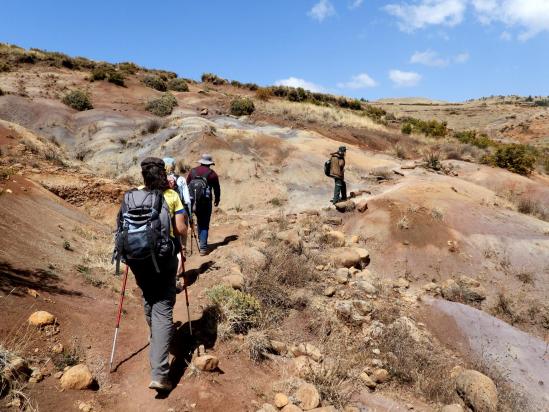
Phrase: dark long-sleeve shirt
[213,179]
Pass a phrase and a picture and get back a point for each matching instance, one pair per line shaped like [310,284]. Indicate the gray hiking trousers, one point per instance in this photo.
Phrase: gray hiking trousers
[159,293]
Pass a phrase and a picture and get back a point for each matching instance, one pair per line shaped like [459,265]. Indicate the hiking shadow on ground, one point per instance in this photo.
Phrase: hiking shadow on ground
[224,242]
[192,275]
[14,281]
[204,332]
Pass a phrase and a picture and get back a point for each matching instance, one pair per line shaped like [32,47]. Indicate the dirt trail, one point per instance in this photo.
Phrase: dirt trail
[227,390]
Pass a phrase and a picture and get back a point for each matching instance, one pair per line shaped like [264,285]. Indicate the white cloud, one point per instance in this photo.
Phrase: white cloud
[322,10]
[404,79]
[506,36]
[429,58]
[356,4]
[428,12]
[297,82]
[462,58]
[360,81]
[531,16]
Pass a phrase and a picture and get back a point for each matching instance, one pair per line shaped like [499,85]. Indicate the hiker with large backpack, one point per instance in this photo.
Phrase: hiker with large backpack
[335,168]
[149,224]
[202,181]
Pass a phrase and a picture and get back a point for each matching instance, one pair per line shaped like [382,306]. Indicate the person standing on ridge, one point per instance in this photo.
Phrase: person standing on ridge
[337,166]
[202,181]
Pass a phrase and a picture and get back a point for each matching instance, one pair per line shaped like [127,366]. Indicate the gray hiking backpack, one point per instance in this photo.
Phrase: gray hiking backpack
[199,189]
[143,230]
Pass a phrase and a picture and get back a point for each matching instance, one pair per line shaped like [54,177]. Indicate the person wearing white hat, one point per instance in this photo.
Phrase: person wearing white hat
[204,189]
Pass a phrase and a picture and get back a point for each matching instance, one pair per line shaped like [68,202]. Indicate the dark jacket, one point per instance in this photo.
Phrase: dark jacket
[213,180]
[337,165]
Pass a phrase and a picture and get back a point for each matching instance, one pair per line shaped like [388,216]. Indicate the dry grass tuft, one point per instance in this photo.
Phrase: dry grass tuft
[311,113]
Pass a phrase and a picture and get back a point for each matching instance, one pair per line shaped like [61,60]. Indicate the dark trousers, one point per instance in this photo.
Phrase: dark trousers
[203,216]
[340,190]
[158,301]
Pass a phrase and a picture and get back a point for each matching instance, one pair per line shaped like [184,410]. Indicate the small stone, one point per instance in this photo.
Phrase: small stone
[346,206]
[41,318]
[206,363]
[376,351]
[364,377]
[36,375]
[335,238]
[281,400]
[278,347]
[17,369]
[354,239]
[455,407]
[9,191]
[77,377]
[402,283]
[307,396]
[57,375]
[303,365]
[319,267]
[366,287]
[342,276]
[306,349]
[235,281]
[85,407]
[57,348]
[32,293]
[380,375]
[329,291]
[362,206]
[291,408]
[204,111]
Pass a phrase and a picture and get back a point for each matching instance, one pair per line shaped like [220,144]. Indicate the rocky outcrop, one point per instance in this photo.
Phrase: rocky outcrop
[465,290]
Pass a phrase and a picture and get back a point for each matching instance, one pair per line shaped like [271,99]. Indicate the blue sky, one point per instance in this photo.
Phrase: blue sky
[442,49]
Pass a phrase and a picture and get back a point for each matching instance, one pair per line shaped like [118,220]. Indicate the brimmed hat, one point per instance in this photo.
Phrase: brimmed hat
[206,159]
[342,149]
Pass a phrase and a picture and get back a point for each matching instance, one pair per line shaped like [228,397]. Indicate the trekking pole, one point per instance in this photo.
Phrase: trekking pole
[122,293]
[193,234]
[186,294]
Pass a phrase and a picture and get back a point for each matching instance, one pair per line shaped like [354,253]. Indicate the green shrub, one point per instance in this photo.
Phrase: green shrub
[156,83]
[239,310]
[128,67]
[471,137]
[178,85]
[5,67]
[99,73]
[78,100]
[406,128]
[517,158]
[264,93]
[1,92]
[431,128]
[116,78]
[432,160]
[242,106]
[213,78]
[355,104]
[163,106]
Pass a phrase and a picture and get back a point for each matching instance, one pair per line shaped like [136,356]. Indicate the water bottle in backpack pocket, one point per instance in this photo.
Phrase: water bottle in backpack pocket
[144,226]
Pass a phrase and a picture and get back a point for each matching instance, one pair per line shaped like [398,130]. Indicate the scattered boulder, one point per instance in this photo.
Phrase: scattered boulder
[280,348]
[36,376]
[41,318]
[291,237]
[57,348]
[306,349]
[369,382]
[465,290]
[362,206]
[335,238]
[455,407]
[291,408]
[374,329]
[345,206]
[350,257]
[307,396]
[380,375]
[303,364]
[207,363]
[354,311]
[342,276]
[329,291]
[235,281]
[477,390]
[17,369]
[367,287]
[333,220]
[354,239]
[85,407]
[77,377]
[252,256]
[281,400]
[267,407]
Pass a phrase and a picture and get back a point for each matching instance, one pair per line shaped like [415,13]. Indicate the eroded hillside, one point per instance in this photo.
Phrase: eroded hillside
[439,265]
